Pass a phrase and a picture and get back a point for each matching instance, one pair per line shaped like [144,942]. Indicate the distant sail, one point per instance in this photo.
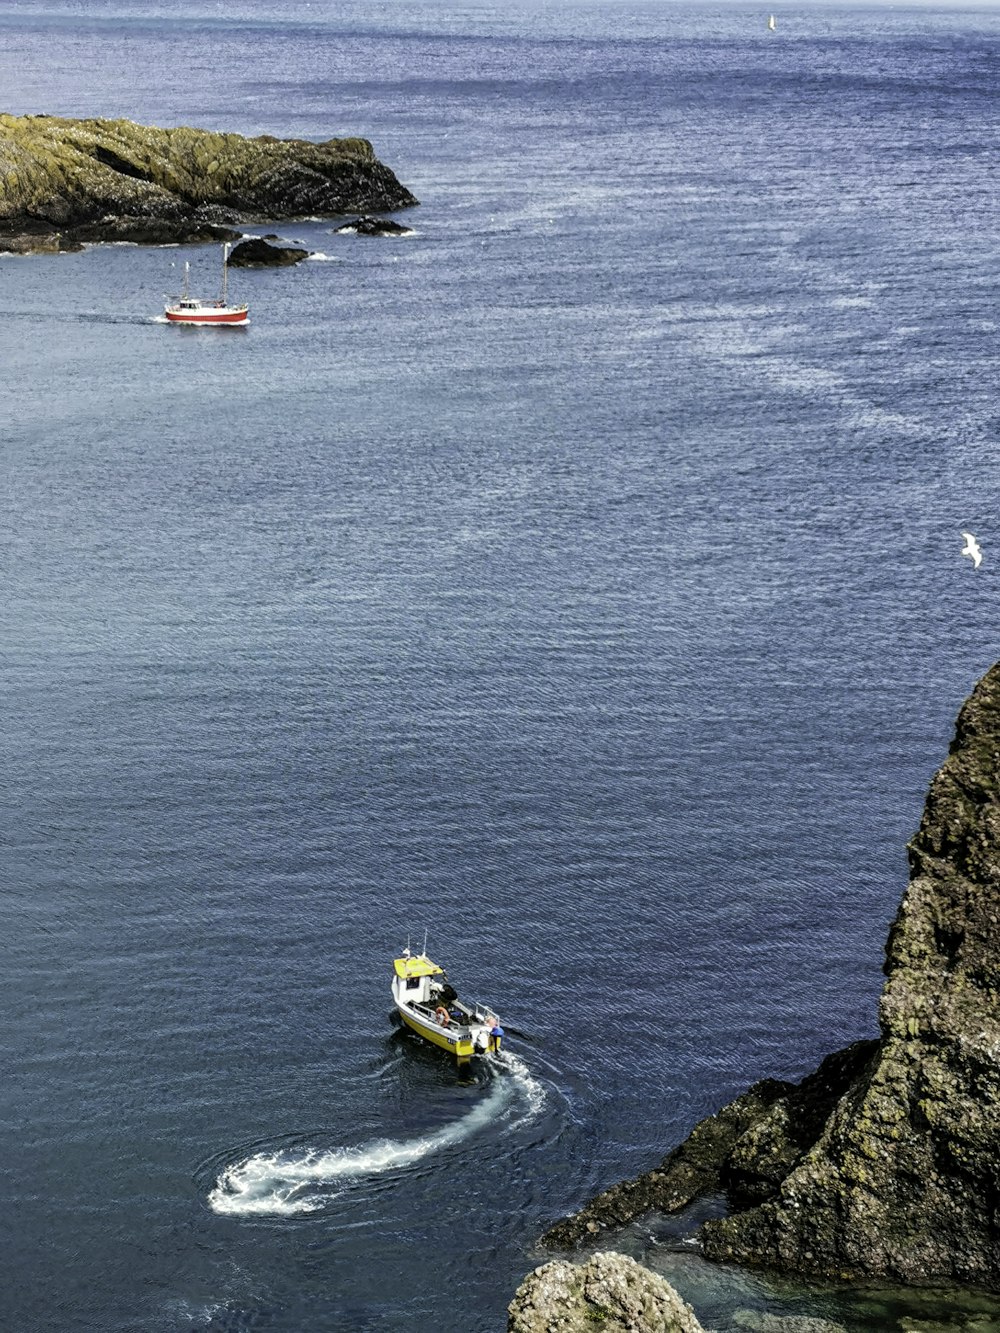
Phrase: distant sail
[770,22]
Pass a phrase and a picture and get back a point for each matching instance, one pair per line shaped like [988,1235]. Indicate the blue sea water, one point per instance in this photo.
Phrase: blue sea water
[576,580]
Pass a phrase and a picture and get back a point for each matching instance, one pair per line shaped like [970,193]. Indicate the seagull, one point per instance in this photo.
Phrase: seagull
[971,549]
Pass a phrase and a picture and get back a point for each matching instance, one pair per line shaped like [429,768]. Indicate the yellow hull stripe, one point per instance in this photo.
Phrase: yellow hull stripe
[461,1047]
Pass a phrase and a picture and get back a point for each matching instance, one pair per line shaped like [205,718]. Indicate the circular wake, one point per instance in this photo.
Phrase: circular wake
[291,1181]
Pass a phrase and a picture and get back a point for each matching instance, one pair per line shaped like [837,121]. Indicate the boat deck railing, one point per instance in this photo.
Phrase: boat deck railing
[469,1017]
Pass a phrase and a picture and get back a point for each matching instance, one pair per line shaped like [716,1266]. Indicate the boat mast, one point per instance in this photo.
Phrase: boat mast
[187,276]
[225,270]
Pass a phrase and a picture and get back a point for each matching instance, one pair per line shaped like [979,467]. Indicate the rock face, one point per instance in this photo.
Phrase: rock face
[745,1150]
[256,253]
[95,180]
[886,1162]
[610,1292]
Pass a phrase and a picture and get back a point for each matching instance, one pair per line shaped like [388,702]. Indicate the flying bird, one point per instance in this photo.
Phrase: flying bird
[971,549]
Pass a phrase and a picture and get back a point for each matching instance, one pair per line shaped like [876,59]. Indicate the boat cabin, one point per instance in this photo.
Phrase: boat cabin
[430,1007]
[415,985]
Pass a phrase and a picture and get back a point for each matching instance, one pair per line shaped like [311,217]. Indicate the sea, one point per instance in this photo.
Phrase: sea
[572,588]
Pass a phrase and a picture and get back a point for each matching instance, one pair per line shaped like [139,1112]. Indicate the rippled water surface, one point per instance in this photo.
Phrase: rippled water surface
[577,580]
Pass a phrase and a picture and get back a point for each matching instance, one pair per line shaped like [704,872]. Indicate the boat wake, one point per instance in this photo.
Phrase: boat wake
[296,1180]
[532,1088]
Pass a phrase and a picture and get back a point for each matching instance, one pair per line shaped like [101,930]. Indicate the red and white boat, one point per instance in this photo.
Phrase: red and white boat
[188,309]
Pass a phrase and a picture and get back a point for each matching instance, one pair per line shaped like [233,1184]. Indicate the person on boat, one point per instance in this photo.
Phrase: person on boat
[442,1016]
[496,1036]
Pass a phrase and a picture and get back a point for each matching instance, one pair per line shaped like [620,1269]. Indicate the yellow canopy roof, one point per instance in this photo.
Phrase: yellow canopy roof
[421,966]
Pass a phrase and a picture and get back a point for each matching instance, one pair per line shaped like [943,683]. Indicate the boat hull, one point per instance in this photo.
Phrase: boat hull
[460,1046]
[431,1008]
[231,315]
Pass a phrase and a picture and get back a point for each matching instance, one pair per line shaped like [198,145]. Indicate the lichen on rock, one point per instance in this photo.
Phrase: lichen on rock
[93,180]
[610,1292]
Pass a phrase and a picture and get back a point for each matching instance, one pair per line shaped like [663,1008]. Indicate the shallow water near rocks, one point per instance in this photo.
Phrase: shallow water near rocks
[577,579]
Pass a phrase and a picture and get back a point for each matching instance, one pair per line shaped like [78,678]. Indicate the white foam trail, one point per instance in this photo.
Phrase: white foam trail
[288,1182]
[533,1090]
[321,258]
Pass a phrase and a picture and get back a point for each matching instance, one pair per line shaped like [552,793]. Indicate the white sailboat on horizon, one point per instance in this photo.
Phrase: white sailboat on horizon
[770,23]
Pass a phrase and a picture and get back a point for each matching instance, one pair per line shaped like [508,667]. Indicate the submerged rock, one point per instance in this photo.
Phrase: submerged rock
[255,253]
[886,1161]
[94,180]
[776,1323]
[610,1292]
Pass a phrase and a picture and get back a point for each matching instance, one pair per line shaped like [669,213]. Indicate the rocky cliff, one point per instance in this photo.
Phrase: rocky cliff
[886,1161]
[64,182]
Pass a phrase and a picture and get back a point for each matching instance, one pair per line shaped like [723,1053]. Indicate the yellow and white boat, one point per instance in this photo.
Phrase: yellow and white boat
[430,1007]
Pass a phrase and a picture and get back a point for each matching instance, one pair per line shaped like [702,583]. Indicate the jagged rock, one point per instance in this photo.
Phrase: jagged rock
[368,226]
[91,180]
[135,231]
[764,1155]
[746,1149]
[690,1171]
[610,1292]
[255,253]
[886,1161]
[905,1177]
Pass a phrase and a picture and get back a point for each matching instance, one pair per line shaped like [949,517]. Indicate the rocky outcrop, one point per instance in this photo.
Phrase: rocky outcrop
[886,1162]
[745,1150]
[256,253]
[95,180]
[610,1292]
[369,226]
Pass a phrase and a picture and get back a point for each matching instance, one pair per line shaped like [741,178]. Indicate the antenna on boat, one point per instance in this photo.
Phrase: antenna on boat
[425,942]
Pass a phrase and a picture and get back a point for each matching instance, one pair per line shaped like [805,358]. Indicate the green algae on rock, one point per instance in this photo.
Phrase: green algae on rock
[886,1161]
[95,180]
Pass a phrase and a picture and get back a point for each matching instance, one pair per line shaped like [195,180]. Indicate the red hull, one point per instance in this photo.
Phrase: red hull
[223,317]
